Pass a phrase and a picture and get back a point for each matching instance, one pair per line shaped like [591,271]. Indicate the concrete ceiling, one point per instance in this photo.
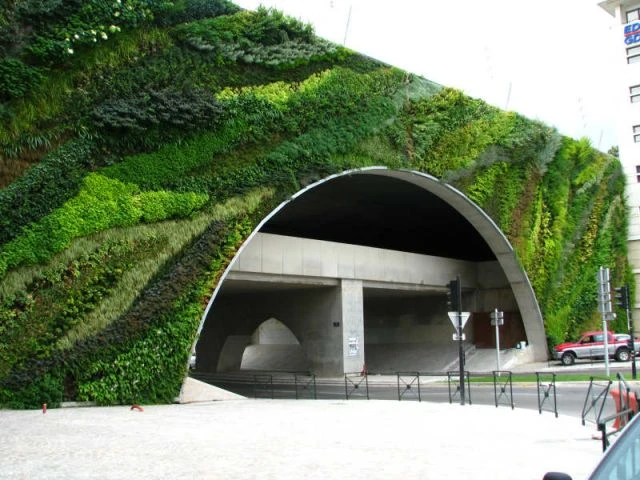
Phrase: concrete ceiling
[381,212]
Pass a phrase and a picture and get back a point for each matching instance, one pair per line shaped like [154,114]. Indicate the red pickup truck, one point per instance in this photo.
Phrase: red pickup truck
[591,345]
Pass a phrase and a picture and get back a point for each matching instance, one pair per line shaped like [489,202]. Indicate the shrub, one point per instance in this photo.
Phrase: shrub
[44,187]
[158,206]
[229,37]
[17,79]
[62,26]
[102,203]
[33,320]
[182,11]
[137,119]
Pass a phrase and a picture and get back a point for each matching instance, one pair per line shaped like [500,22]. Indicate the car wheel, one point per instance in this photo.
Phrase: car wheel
[568,359]
[623,355]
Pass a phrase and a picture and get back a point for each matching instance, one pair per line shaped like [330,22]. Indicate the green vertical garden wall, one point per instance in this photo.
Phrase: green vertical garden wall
[141,141]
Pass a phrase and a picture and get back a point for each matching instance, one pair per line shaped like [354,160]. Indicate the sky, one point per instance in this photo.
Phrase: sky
[550,60]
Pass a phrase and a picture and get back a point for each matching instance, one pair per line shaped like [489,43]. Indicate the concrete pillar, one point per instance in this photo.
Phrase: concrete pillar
[352,325]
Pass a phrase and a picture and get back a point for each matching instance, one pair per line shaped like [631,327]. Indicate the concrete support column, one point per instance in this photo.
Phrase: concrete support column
[352,325]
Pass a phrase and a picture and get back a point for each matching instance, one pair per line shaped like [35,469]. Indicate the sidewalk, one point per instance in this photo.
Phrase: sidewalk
[289,439]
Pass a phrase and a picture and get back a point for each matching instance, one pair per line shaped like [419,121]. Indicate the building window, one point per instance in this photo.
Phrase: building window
[634,93]
[633,15]
[633,54]
[636,135]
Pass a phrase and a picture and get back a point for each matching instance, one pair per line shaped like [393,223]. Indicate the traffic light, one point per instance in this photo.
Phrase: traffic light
[453,296]
[622,297]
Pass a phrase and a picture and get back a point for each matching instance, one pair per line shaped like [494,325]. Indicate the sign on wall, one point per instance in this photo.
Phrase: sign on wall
[632,33]
[354,347]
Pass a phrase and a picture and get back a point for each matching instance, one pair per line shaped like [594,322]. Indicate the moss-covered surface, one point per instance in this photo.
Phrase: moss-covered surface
[141,141]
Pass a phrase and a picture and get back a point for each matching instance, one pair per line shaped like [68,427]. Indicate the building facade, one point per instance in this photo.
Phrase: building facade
[627,83]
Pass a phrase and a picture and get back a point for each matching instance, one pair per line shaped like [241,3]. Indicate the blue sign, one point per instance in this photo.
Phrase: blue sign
[632,33]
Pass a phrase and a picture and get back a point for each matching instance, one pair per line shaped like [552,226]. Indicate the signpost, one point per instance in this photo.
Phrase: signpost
[459,319]
[604,307]
[497,319]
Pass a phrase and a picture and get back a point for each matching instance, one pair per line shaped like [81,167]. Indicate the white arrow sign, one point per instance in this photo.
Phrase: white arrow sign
[453,316]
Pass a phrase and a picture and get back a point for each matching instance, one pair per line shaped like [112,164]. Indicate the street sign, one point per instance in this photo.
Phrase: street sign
[497,318]
[457,338]
[453,316]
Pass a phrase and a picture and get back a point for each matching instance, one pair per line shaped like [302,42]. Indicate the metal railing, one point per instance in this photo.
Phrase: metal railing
[356,385]
[406,386]
[503,388]
[409,385]
[595,399]
[626,402]
[602,425]
[305,386]
[263,386]
[455,383]
[546,386]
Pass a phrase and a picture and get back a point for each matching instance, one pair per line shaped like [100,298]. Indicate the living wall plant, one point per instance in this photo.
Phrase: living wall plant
[143,140]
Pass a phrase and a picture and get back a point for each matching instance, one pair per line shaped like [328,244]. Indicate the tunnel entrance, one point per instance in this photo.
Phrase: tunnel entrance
[356,267]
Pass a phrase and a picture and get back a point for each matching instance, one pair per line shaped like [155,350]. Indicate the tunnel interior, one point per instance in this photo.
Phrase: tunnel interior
[381,212]
[405,328]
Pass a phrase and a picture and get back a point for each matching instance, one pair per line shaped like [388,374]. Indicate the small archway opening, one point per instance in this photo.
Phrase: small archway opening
[274,347]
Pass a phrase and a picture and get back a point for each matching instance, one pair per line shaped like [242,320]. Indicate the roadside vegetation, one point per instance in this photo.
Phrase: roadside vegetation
[141,141]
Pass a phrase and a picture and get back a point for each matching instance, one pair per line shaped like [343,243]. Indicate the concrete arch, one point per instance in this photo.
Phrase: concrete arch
[273,347]
[481,222]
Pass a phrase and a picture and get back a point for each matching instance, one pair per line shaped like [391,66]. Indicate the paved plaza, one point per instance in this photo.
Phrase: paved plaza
[289,439]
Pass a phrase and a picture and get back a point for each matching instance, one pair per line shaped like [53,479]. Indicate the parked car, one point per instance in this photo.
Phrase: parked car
[591,346]
[621,461]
